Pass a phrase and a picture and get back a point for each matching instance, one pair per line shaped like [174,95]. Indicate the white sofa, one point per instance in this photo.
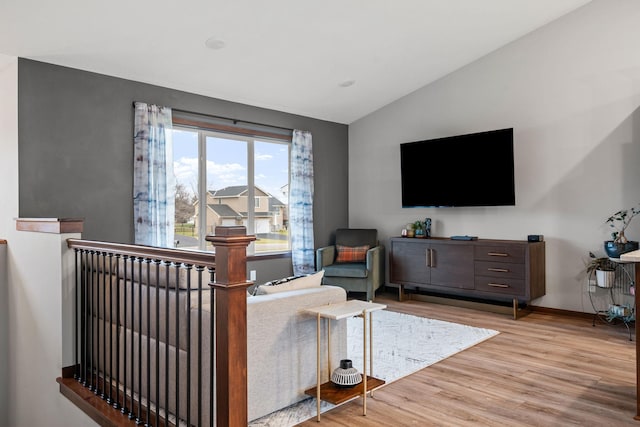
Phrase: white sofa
[281,343]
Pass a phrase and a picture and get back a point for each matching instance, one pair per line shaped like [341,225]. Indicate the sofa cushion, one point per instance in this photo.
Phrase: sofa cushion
[358,270]
[291,283]
[351,253]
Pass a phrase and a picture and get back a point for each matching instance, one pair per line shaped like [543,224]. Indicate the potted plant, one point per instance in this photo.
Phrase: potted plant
[604,268]
[418,228]
[619,244]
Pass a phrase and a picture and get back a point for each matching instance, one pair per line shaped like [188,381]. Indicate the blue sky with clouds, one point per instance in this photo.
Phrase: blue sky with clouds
[227,163]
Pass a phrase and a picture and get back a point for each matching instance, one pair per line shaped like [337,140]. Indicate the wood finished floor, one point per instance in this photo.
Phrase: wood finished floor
[541,370]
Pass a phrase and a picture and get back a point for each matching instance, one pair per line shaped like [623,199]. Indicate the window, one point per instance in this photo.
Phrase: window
[242,181]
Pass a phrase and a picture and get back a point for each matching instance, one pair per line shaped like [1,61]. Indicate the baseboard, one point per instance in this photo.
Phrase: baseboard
[561,312]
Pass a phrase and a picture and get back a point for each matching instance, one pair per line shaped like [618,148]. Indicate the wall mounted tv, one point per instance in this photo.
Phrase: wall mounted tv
[475,169]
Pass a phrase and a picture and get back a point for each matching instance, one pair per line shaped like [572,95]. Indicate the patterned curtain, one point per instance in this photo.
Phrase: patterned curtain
[153,186]
[301,204]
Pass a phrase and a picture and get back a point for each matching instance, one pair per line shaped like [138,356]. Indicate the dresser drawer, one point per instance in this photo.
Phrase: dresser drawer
[500,286]
[499,269]
[497,253]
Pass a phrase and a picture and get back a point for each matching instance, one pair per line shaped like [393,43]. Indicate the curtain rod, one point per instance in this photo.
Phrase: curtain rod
[235,121]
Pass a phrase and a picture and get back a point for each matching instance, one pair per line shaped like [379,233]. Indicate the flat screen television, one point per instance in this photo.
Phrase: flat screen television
[475,169]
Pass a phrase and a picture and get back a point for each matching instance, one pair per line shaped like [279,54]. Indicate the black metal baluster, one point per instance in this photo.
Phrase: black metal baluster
[83,325]
[177,299]
[212,355]
[148,307]
[140,282]
[91,331]
[124,341]
[132,355]
[96,346]
[166,347]
[188,267]
[95,309]
[199,269]
[116,403]
[104,325]
[157,374]
[76,337]
[111,323]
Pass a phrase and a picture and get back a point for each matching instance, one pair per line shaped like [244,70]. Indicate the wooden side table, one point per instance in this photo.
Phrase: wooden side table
[328,391]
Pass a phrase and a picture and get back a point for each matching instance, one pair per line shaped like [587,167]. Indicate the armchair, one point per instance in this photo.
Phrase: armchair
[355,262]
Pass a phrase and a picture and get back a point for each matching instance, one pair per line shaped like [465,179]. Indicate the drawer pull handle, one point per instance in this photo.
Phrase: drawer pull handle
[427,257]
[498,270]
[498,285]
[497,254]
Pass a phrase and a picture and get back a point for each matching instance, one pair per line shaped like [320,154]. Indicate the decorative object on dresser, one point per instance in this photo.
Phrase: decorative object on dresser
[408,231]
[494,271]
[427,227]
[418,227]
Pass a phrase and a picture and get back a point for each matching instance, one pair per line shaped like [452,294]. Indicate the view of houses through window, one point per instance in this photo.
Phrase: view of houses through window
[242,181]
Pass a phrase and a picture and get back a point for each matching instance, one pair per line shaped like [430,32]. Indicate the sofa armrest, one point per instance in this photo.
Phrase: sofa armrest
[325,256]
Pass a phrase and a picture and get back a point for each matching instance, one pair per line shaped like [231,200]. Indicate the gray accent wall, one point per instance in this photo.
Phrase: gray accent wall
[76,148]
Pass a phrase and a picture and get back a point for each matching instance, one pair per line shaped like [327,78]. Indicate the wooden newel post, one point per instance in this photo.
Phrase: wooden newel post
[230,298]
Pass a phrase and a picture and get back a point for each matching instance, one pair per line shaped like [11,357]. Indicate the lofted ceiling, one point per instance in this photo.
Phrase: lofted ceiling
[335,60]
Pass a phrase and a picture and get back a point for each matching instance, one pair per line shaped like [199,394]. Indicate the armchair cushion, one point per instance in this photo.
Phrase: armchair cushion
[358,270]
[351,253]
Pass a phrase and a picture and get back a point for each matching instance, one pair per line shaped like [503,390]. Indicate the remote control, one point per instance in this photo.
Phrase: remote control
[464,238]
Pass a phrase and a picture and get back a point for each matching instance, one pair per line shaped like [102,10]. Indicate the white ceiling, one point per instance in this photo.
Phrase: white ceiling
[287,55]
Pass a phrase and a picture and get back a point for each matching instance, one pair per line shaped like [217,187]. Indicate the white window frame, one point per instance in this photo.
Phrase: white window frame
[202,180]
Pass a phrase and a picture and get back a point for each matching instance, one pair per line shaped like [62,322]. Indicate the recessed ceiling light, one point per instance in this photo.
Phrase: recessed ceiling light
[214,43]
[347,83]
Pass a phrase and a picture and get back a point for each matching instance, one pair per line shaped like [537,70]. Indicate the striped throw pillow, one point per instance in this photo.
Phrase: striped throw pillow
[351,253]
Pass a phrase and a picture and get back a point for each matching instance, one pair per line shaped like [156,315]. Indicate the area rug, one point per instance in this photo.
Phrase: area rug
[402,345]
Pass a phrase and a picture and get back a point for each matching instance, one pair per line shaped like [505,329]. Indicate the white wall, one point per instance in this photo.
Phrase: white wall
[571,91]
[9,205]
[29,394]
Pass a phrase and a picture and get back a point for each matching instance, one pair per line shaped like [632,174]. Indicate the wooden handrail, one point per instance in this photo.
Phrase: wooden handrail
[205,259]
